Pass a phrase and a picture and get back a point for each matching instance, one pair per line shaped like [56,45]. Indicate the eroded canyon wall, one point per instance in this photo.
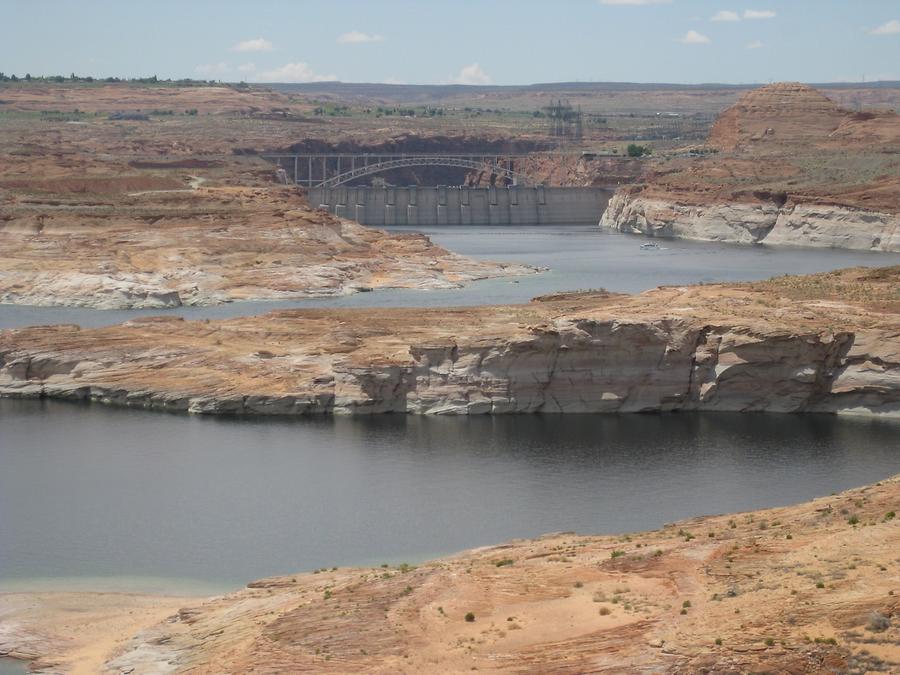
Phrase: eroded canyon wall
[821,225]
[573,364]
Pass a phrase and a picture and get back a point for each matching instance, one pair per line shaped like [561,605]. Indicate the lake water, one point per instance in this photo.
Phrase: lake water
[96,497]
[12,667]
[579,257]
[100,498]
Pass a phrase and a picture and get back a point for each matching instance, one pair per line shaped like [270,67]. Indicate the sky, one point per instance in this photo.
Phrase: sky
[458,41]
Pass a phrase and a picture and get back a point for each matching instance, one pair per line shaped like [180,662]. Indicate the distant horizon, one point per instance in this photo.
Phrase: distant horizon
[113,79]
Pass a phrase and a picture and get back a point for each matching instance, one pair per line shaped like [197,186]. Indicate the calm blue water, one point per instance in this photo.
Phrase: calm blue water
[579,257]
[93,497]
[96,497]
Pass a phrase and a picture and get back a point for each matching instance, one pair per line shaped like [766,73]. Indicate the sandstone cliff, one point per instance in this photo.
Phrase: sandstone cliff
[825,343]
[784,165]
[823,225]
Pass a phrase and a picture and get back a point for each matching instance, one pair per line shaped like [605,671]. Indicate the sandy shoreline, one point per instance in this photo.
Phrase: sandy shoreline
[807,587]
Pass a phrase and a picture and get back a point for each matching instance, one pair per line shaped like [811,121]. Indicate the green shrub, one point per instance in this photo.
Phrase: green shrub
[635,150]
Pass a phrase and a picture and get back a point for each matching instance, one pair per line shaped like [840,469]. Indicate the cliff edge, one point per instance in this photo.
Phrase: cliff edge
[821,343]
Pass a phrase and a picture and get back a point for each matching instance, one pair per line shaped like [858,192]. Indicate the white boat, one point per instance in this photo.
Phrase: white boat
[650,246]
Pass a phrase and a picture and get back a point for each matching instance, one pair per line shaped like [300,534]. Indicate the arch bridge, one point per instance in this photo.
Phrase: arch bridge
[335,169]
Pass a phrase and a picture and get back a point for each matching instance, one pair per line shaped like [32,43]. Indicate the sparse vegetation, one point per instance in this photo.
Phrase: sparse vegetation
[635,150]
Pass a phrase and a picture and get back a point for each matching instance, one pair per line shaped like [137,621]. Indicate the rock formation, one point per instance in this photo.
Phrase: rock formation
[825,225]
[165,248]
[784,165]
[824,343]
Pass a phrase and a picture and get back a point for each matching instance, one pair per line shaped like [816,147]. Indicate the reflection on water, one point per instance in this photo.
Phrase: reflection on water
[579,257]
[99,492]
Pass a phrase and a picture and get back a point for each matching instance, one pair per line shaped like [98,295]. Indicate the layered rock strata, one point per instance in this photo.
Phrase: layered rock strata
[825,343]
[166,248]
[783,166]
[820,225]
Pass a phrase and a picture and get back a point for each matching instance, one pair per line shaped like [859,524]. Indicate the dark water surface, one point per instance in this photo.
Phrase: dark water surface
[96,497]
[100,498]
[579,257]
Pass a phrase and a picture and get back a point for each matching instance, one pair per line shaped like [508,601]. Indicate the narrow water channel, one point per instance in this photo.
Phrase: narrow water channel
[577,257]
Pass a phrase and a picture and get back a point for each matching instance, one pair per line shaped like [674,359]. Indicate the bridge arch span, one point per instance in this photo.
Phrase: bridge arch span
[516,177]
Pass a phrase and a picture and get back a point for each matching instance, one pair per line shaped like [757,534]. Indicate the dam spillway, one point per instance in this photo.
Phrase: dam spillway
[445,205]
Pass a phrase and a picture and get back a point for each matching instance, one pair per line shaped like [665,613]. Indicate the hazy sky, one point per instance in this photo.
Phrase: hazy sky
[433,41]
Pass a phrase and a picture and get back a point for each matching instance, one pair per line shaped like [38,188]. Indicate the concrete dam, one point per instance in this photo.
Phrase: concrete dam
[443,205]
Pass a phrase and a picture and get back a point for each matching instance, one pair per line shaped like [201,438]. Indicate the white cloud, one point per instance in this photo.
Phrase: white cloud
[356,37]
[759,14]
[692,37]
[392,80]
[255,45]
[634,3]
[892,27]
[756,44]
[295,72]
[246,67]
[212,68]
[472,74]
[726,15]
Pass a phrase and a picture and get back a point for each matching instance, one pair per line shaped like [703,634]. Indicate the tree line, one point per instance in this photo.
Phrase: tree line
[153,79]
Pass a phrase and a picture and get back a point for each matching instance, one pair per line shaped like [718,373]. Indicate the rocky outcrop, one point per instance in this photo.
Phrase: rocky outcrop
[783,165]
[820,225]
[208,246]
[780,113]
[718,348]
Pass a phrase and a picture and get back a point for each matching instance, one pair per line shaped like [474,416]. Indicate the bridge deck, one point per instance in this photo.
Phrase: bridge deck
[331,169]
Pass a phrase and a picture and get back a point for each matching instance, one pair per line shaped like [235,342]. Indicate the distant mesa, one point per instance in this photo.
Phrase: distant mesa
[786,112]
